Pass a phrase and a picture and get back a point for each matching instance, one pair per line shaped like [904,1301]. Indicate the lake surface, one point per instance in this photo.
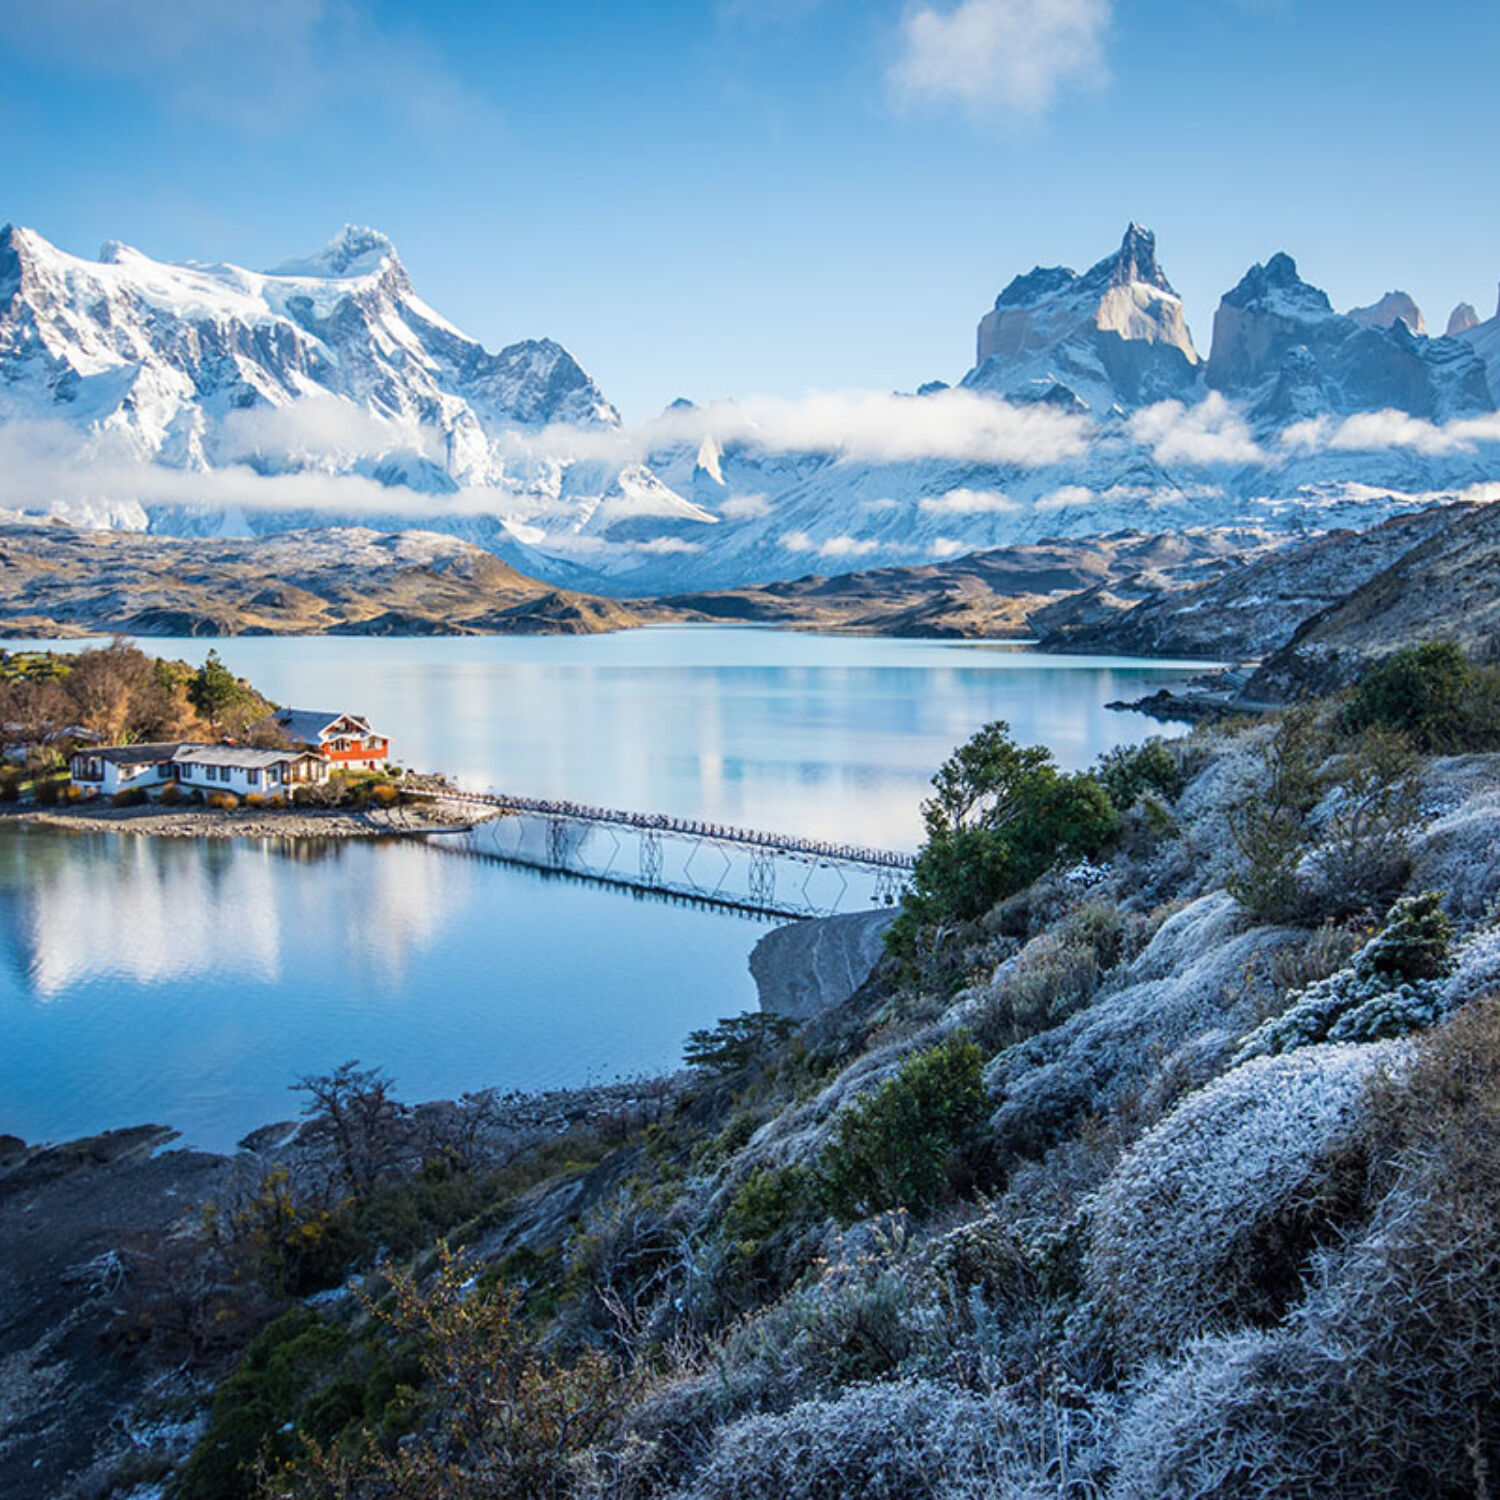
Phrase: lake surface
[190,983]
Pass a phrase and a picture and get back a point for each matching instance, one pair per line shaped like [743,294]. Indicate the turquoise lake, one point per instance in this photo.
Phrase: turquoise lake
[190,982]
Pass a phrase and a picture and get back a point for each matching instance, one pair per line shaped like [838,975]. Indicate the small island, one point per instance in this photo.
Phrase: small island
[110,738]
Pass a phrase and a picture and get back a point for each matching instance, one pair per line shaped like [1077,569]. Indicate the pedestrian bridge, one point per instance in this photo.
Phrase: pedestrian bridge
[772,874]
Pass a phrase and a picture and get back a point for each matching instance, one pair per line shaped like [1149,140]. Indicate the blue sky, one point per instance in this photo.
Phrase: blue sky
[738,198]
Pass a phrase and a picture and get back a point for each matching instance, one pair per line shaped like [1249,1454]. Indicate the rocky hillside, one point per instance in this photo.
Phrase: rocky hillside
[996,593]
[1252,610]
[1115,1180]
[1447,588]
[59,580]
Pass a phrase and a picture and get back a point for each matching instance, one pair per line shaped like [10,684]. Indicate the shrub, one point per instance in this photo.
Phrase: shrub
[382,794]
[906,1438]
[1433,694]
[1365,850]
[1210,1218]
[1053,977]
[507,1420]
[257,1406]
[1269,827]
[255,799]
[129,796]
[223,801]
[1383,1383]
[1391,988]
[171,795]
[906,1145]
[1128,773]
[276,801]
[10,786]
[760,1227]
[48,791]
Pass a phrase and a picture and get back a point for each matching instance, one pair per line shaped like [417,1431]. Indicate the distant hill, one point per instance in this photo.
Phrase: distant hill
[55,579]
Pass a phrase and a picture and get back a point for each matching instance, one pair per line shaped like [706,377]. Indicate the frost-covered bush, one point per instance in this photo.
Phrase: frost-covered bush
[1053,976]
[1231,1420]
[1384,1381]
[1208,1221]
[859,1319]
[905,1439]
[1476,969]
[1391,988]
[1458,852]
[1190,979]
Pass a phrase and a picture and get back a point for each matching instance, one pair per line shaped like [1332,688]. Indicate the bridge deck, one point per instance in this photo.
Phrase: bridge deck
[779,843]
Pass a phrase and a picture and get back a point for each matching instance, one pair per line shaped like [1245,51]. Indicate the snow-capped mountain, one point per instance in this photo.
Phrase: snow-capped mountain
[330,364]
[209,399]
[1115,334]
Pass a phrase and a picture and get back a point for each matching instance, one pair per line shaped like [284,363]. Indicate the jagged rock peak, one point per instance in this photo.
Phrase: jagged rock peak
[1392,308]
[1134,261]
[1462,319]
[1277,286]
[354,251]
[1115,335]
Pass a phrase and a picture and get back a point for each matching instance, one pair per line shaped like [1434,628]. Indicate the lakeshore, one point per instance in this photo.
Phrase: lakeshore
[157,821]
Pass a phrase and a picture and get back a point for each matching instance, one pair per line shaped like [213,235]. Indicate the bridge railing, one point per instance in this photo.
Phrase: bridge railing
[793,844]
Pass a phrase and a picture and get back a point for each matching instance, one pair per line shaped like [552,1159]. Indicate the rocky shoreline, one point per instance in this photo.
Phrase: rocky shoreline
[257,823]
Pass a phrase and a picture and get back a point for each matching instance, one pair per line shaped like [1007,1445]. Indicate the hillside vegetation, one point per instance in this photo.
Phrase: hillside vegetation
[1160,1157]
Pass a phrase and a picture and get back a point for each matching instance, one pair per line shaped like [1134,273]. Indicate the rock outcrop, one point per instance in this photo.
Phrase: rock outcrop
[1280,348]
[1462,319]
[1392,307]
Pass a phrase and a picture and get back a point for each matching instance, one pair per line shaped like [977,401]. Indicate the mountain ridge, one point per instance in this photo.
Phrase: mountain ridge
[206,399]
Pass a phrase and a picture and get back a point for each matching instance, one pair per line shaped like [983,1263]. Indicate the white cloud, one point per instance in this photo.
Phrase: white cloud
[665,545]
[836,546]
[946,546]
[971,503]
[1212,432]
[873,427]
[1066,497]
[745,508]
[320,427]
[48,466]
[1010,56]
[1376,431]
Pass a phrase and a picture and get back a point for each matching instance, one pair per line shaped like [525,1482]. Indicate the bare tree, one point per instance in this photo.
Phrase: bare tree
[363,1119]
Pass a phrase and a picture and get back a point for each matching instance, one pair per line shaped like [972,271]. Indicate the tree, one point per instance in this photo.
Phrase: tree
[214,689]
[1000,815]
[1429,693]
[358,1109]
[736,1042]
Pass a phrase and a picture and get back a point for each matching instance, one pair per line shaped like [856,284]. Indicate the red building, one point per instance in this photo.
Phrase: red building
[344,741]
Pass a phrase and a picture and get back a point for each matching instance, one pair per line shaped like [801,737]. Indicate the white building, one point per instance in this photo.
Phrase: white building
[193,767]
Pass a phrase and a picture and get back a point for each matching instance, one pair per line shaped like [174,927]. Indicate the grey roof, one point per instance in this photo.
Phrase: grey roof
[133,755]
[308,724]
[243,756]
